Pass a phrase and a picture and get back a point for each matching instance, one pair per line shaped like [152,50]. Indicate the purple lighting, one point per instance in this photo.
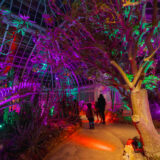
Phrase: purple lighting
[9,91]
[13,98]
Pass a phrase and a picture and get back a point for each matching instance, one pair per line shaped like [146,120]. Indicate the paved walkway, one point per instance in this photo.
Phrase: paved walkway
[105,142]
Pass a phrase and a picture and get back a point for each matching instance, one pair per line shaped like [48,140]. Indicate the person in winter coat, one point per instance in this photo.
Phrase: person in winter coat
[90,116]
[102,104]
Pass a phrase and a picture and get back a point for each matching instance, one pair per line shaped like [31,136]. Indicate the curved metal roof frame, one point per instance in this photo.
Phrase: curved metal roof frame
[26,48]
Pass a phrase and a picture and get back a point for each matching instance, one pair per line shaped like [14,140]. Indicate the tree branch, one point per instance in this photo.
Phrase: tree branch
[123,74]
[154,52]
[138,74]
[154,24]
[138,87]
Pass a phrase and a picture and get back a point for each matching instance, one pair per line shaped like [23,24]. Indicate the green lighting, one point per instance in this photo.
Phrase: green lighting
[128,118]
[6,115]
[126,12]
[114,52]
[124,38]
[150,81]
[137,32]
[44,67]
[52,110]
[125,105]
[73,92]
[1,126]
[146,69]
[130,77]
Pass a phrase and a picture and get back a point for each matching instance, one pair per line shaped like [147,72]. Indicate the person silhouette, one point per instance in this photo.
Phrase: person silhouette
[90,116]
[102,104]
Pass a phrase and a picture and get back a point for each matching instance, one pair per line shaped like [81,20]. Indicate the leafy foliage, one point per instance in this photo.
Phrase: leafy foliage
[25,133]
[22,24]
[149,82]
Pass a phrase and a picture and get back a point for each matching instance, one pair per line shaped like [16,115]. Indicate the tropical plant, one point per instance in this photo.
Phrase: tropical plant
[24,134]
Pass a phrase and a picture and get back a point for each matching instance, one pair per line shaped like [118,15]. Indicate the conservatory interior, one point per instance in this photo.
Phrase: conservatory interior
[79,79]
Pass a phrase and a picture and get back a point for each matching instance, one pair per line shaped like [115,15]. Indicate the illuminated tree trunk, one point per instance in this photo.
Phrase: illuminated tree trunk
[144,124]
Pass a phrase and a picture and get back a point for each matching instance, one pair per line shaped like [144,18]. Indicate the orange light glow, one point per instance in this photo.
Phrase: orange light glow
[85,121]
[92,143]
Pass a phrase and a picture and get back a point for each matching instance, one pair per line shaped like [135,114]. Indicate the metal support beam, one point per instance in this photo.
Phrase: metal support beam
[29,30]
[29,57]
[2,3]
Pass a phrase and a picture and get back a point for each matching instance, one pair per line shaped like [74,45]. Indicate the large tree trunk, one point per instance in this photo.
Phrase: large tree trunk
[144,124]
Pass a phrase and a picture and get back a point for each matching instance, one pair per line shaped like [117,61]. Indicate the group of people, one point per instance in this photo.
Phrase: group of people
[99,111]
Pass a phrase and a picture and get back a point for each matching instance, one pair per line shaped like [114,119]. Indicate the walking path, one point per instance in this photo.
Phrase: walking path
[105,142]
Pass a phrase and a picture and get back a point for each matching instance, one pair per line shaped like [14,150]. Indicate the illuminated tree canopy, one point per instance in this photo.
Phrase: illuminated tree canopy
[103,34]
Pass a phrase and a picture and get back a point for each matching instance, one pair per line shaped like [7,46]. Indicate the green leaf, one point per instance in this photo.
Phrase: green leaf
[23,33]
[146,69]
[130,77]
[150,82]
